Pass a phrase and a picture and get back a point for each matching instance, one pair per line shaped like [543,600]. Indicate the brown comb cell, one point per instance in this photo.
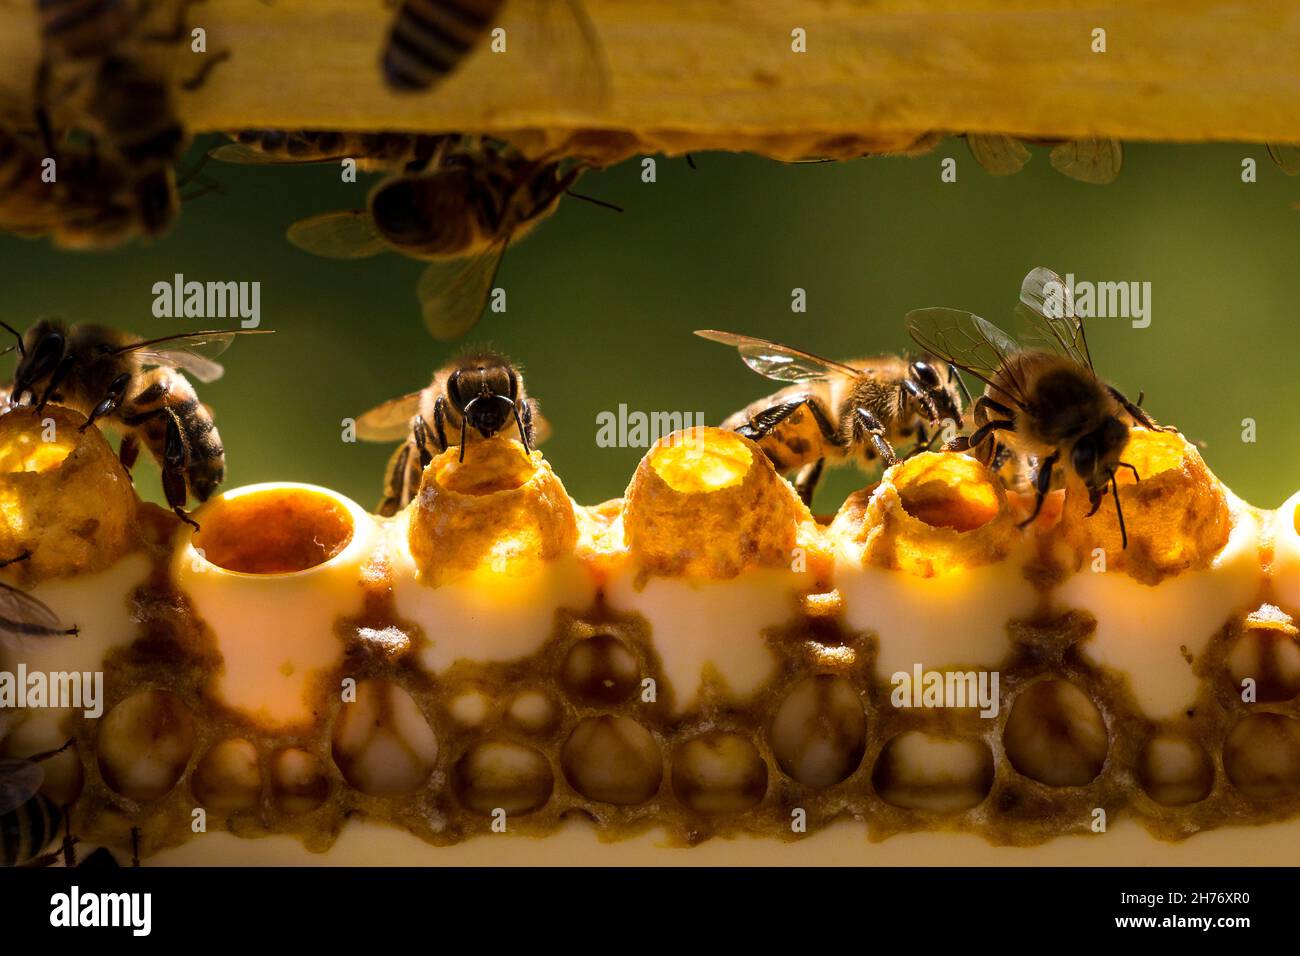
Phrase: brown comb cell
[1056,735]
[1262,755]
[1175,771]
[919,771]
[1177,515]
[502,775]
[382,741]
[299,783]
[719,772]
[228,777]
[612,760]
[819,732]
[145,743]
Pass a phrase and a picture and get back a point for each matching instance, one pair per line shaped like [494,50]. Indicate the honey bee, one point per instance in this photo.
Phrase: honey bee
[1044,405]
[29,820]
[138,386]
[459,217]
[429,38]
[1090,160]
[482,391]
[841,412]
[408,152]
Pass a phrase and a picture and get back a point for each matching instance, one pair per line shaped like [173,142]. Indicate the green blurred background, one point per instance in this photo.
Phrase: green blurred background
[601,305]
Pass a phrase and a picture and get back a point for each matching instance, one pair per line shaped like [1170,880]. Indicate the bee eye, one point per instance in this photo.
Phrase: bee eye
[925,374]
[1083,457]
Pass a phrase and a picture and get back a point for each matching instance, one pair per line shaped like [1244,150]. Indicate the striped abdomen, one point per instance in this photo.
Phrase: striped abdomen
[28,830]
[429,38]
[147,414]
[27,205]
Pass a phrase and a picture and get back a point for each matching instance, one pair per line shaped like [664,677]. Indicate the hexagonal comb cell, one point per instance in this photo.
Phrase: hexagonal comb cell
[919,771]
[228,777]
[612,760]
[382,741]
[503,775]
[1055,735]
[1175,771]
[600,670]
[1262,755]
[145,743]
[719,772]
[299,783]
[1267,654]
[819,732]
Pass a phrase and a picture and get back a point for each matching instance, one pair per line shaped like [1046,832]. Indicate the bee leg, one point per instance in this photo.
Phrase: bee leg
[1131,467]
[1119,512]
[922,398]
[1042,484]
[806,481]
[175,456]
[870,426]
[56,379]
[440,422]
[110,402]
[525,433]
[201,76]
[135,846]
[69,848]
[964,442]
[420,432]
[529,429]
[1137,413]
[1094,500]
[128,452]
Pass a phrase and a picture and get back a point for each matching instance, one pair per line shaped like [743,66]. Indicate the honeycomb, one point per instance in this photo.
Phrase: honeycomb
[700,658]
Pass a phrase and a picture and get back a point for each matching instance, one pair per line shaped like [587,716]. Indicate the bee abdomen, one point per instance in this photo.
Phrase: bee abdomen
[83,29]
[206,465]
[28,830]
[429,38]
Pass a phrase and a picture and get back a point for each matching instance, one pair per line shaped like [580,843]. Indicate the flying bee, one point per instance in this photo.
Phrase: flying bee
[1089,160]
[429,39]
[459,217]
[138,385]
[1045,405]
[374,152]
[481,391]
[29,820]
[841,412]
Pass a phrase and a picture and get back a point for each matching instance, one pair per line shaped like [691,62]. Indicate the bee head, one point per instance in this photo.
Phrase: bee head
[485,395]
[938,390]
[1095,455]
[43,348]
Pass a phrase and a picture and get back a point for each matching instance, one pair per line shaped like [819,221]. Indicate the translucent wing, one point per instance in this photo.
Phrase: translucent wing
[22,615]
[780,362]
[347,234]
[970,343]
[244,155]
[1089,160]
[569,53]
[999,155]
[20,780]
[1287,157]
[454,292]
[390,421]
[1047,307]
[192,352]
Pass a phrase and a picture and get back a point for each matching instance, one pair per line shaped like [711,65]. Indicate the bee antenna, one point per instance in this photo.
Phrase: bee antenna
[17,336]
[1119,511]
[593,200]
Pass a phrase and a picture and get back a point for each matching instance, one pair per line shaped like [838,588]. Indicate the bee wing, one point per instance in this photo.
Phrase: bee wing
[244,155]
[345,234]
[1287,157]
[22,615]
[390,421]
[1089,160]
[972,344]
[192,352]
[999,155]
[20,780]
[780,362]
[1047,308]
[570,51]
[454,292]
